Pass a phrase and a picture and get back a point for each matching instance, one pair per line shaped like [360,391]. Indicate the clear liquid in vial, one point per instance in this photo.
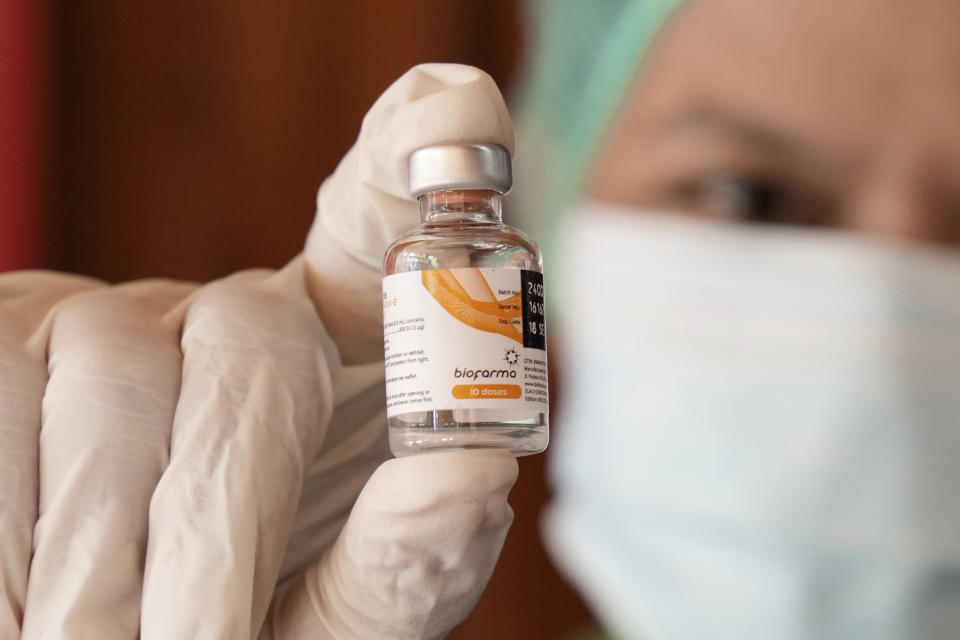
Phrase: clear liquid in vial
[463,229]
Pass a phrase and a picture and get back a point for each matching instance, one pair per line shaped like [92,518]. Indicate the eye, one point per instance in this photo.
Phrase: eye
[741,198]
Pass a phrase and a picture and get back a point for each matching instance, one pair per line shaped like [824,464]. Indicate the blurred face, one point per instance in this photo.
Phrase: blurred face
[809,112]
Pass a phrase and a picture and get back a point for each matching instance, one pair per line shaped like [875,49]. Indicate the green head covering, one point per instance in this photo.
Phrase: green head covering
[582,55]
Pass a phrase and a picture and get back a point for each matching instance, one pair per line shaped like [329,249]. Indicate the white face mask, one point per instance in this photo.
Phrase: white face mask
[760,431]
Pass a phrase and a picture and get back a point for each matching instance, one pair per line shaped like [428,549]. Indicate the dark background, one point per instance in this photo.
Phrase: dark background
[187,140]
[192,136]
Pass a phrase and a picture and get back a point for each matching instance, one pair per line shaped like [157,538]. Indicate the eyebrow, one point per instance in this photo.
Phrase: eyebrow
[737,128]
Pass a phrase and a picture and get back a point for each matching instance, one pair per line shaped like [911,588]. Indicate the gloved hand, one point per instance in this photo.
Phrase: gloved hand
[176,426]
[412,559]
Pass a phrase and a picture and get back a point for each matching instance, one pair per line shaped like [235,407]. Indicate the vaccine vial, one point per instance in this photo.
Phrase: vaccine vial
[463,313]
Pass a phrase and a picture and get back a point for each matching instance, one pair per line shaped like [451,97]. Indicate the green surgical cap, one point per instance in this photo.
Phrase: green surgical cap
[581,57]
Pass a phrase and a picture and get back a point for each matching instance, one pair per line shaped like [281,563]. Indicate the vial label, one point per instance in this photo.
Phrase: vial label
[469,338]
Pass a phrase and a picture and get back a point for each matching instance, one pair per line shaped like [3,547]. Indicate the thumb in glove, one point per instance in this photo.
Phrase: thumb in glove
[414,556]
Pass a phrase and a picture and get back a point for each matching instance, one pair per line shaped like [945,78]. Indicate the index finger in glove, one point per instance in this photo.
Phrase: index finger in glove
[361,208]
[365,204]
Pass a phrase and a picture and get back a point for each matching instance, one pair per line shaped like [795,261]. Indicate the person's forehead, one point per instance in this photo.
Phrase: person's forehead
[851,33]
[836,69]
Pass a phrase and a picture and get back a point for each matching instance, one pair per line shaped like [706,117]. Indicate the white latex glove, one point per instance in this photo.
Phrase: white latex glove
[412,559]
[199,415]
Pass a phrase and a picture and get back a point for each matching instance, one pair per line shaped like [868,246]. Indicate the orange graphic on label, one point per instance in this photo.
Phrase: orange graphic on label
[478,307]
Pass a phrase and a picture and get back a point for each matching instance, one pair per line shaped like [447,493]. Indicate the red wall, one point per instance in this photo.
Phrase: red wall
[22,133]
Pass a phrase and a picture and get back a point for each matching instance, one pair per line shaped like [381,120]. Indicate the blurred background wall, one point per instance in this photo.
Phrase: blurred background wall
[187,140]
[192,135]
[25,123]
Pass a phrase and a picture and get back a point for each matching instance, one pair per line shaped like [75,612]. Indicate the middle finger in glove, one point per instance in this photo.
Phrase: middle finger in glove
[255,398]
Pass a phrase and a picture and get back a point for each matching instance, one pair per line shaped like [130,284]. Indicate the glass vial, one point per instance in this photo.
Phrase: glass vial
[464,342]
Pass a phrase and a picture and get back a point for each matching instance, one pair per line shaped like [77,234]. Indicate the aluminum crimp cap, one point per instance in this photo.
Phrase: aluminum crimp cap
[460,166]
